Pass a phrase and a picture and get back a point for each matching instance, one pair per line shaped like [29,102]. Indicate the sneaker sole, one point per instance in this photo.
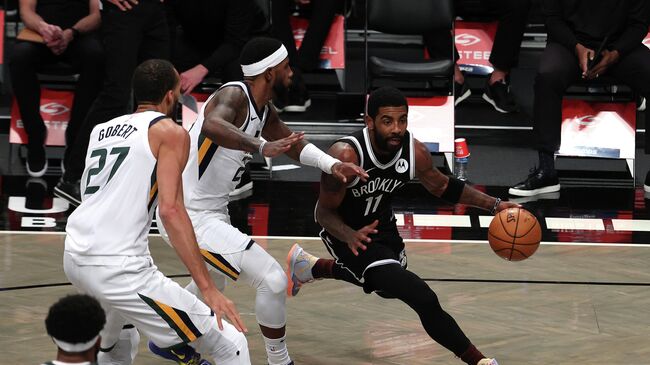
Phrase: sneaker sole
[63,195]
[297,108]
[544,190]
[36,173]
[289,272]
[646,188]
[244,188]
[462,98]
[494,105]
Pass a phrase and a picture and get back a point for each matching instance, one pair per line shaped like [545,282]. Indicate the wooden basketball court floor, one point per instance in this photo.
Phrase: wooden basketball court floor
[568,304]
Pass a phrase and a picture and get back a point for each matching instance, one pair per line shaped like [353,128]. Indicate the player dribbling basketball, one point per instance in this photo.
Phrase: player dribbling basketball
[359,227]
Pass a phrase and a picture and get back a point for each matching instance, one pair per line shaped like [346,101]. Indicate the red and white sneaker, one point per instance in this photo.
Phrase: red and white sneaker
[299,265]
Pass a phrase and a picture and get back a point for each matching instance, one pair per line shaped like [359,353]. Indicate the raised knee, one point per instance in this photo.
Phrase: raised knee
[276,280]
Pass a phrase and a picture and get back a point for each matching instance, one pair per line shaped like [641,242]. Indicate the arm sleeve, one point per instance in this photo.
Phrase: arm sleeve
[557,28]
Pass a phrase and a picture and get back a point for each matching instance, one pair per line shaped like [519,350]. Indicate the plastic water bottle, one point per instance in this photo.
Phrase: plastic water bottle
[461,158]
[460,168]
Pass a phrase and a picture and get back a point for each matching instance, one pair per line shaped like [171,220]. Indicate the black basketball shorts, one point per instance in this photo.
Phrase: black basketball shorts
[386,248]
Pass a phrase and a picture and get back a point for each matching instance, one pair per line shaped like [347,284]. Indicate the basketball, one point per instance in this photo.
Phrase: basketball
[514,234]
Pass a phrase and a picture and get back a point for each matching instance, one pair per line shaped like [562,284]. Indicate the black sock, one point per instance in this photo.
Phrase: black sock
[323,269]
[546,161]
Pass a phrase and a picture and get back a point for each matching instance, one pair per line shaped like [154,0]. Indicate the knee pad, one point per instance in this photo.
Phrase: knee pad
[275,280]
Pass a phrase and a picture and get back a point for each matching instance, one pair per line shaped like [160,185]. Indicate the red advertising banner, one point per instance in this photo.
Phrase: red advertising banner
[55,111]
[474,44]
[604,130]
[332,55]
[431,120]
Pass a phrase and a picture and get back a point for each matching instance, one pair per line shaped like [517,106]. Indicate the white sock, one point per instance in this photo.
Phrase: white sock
[276,351]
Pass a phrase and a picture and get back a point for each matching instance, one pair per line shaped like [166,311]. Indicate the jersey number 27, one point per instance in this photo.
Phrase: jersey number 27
[121,153]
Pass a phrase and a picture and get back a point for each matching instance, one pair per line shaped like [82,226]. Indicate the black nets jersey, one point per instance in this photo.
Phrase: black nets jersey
[366,201]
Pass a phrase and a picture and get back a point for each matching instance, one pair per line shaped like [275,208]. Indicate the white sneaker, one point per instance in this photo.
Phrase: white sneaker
[487,362]
[299,265]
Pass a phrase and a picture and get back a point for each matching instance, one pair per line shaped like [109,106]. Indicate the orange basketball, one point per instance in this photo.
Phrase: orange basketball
[514,234]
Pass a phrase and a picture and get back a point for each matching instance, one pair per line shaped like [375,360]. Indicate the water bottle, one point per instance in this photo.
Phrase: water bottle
[461,158]
[460,168]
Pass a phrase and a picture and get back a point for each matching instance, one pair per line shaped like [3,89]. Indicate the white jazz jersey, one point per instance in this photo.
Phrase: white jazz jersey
[118,190]
[212,171]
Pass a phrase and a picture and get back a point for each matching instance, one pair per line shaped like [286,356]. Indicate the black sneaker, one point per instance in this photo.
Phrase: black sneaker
[69,191]
[36,161]
[500,97]
[461,92]
[538,182]
[299,101]
[244,188]
[640,103]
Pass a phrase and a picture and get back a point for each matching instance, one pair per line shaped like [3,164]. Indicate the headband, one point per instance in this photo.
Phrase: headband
[75,347]
[273,60]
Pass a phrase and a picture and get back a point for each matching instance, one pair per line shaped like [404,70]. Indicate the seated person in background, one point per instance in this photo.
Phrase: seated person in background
[208,35]
[504,56]
[66,28]
[576,28]
[306,58]
[74,323]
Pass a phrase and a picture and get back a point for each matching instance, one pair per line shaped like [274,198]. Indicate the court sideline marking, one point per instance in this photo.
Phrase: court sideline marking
[408,240]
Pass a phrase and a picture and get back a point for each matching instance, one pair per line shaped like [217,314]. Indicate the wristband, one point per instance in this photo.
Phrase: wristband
[75,32]
[261,149]
[496,205]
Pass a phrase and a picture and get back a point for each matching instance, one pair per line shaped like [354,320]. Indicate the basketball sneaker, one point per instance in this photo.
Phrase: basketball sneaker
[539,181]
[487,362]
[299,265]
[185,355]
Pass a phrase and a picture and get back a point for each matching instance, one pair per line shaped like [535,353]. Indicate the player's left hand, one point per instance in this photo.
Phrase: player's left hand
[192,77]
[505,205]
[341,170]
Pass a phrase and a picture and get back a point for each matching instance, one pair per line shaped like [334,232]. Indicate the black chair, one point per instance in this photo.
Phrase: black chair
[409,17]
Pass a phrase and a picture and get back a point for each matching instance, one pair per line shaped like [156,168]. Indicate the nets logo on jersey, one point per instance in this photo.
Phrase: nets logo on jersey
[401,166]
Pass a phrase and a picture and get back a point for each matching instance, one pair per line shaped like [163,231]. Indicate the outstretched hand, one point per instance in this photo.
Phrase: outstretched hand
[280,146]
[221,306]
[360,238]
[505,205]
[341,170]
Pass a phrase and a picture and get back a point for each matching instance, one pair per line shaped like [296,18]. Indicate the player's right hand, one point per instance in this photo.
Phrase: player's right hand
[221,306]
[360,238]
[280,146]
